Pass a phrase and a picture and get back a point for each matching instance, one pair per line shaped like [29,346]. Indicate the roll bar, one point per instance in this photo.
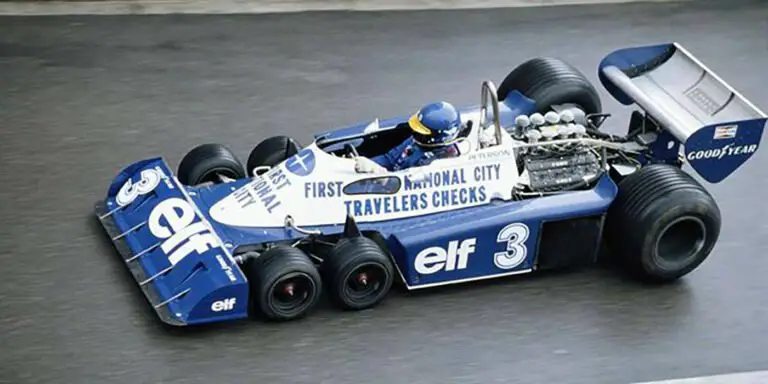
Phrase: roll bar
[488,90]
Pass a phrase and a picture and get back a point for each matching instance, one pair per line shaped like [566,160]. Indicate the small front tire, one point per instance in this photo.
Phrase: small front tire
[358,273]
[284,284]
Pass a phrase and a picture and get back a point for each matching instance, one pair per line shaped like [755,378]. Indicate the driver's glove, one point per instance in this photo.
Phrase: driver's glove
[366,165]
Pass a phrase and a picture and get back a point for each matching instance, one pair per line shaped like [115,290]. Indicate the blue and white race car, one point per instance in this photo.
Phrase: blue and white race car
[537,185]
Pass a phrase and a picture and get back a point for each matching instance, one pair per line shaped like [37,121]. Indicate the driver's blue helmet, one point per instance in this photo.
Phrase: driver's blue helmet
[435,124]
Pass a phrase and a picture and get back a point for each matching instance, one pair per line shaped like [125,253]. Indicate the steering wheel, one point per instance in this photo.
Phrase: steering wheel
[351,149]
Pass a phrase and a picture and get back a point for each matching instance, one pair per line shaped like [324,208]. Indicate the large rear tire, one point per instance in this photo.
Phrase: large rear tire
[549,82]
[663,223]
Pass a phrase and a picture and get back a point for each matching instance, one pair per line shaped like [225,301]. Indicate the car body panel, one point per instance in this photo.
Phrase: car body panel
[504,237]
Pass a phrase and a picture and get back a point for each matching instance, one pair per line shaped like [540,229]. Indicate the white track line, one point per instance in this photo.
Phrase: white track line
[147,7]
[754,377]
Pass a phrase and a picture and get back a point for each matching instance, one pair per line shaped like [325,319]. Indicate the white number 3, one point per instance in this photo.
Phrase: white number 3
[514,235]
[130,191]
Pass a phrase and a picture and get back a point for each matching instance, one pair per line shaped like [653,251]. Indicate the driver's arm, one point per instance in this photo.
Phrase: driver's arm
[381,163]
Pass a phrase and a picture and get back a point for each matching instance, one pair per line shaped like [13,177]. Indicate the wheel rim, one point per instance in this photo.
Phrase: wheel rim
[292,294]
[213,175]
[365,283]
[681,240]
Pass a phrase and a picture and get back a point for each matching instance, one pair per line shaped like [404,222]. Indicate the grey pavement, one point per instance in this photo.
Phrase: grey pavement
[148,7]
[80,97]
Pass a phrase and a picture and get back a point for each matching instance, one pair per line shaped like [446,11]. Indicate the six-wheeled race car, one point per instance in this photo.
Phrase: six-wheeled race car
[538,185]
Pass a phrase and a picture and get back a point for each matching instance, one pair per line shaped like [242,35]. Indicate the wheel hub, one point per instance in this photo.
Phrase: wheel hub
[292,292]
[365,282]
[362,278]
[289,289]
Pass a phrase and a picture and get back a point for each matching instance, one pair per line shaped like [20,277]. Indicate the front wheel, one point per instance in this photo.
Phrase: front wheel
[663,223]
[284,283]
[358,273]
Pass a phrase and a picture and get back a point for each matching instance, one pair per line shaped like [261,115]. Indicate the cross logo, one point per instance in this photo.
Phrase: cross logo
[301,164]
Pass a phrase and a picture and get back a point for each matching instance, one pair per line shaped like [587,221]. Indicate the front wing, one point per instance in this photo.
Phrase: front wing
[181,265]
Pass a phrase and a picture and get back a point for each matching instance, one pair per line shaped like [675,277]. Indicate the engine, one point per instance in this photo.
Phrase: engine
[551,161]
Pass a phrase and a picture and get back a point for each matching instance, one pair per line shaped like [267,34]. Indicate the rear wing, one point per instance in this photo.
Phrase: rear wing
[719,128]
[181,265]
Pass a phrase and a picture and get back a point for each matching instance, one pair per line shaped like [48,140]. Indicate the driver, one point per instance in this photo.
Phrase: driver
[434,128]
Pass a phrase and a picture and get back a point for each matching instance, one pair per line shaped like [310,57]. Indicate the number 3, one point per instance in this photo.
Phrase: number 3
[149,181]
[514,235]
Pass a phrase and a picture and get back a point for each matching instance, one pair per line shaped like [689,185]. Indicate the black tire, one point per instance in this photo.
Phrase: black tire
[272,151]
[549,82]
[663,223]
[204,162]
[275,275]
[353,263]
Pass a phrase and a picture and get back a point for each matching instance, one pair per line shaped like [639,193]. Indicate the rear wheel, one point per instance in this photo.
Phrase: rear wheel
[549,82]
[206,163]
[358,273]
[284,284]
[663,223]
[270,152]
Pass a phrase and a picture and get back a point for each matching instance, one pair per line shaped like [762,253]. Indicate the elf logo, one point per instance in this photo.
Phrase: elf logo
[224,305]
[173,220]
[435,259]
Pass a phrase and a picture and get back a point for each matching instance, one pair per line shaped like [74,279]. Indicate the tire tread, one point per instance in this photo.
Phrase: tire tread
[551,81]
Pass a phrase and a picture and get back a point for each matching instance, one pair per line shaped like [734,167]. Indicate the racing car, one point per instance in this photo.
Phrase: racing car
[539,186]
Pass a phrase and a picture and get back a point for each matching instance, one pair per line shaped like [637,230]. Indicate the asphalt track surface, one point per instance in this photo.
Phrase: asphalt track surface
[83,96]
